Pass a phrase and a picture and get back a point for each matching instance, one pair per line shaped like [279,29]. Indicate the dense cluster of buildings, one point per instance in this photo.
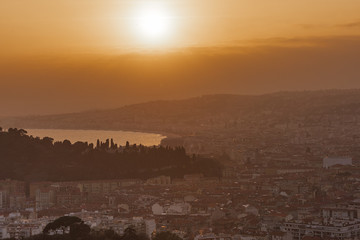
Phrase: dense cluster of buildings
[272,132]
[277,199]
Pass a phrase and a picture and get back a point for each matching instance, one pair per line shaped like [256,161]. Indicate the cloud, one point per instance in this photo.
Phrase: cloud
[355,24]
[53,84]
[349,25]
[308,26]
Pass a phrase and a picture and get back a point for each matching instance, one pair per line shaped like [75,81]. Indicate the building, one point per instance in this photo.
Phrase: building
[336,230]
[160,180]
[1,199]
[45,198]
[3,232]
[17,201]
[34,186]
[150,227]
[10,188]
[21,231]
[68,196]
[331,161]
[340,213]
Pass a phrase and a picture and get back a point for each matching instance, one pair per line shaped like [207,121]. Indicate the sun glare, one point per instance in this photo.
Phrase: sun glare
[152,23]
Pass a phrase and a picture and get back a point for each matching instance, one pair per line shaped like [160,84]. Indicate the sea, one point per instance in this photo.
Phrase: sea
[91,136]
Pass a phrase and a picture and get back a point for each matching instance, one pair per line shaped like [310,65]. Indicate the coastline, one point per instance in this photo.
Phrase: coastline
[162,135]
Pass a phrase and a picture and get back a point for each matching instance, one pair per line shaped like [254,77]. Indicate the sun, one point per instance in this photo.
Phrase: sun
[153,23]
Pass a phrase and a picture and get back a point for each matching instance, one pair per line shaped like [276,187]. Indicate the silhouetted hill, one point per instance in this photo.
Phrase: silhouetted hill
[206,113]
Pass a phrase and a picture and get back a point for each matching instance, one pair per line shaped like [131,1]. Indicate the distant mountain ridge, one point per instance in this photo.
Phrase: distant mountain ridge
[206,113]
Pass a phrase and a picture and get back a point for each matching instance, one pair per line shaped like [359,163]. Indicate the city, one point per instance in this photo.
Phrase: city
[286,199]
[179,120]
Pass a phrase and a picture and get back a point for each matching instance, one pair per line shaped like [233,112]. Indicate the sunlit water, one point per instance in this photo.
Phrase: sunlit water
[91,136]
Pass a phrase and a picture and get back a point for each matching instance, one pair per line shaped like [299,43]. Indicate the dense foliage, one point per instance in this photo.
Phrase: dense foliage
[61,223]
[166,236]
[24,157]
[81,231]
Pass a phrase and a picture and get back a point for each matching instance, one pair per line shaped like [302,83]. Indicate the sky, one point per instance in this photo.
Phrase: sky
[64,56]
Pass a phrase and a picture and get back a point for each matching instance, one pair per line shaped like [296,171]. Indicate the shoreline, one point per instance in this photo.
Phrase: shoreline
[162,135]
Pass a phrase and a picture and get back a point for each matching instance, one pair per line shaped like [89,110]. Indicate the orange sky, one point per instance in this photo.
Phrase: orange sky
[38,26]
[66,55]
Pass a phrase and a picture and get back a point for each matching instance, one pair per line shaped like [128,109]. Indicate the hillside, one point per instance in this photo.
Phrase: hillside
[202,113]
[214,124]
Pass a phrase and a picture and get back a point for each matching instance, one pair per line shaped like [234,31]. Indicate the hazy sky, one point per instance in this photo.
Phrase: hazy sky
[65,55]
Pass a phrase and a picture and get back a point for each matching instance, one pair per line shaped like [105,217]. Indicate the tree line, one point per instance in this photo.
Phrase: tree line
[29,158]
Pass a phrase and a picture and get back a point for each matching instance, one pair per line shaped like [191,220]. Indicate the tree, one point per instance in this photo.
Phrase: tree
[111,234]
[64,161]
[66,143]
[62,223]
[129,234]
[22,132]
[48,140]
[107,144]
[166,236]
[79,231]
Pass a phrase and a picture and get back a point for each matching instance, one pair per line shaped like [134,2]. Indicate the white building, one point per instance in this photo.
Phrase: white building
[150,227]
[3,232]
[20,231]
[340,231]
[178,209]
[331,161]
[157,209]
